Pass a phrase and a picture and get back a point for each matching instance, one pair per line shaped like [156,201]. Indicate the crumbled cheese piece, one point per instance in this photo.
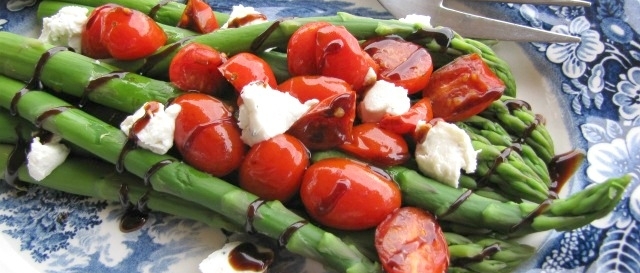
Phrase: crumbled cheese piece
[157,135]
[371,77]
[44,158]
[266,112]
[65,27]
[421,20]
[218,261]
[381,99]
[444,151]
[244,16]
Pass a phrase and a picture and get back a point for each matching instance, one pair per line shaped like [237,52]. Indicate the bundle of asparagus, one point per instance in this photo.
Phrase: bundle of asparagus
[520,176]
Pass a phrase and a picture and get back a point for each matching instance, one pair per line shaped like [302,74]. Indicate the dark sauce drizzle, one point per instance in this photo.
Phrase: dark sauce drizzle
[17,157]
[156,58]
[252,210]
[283,240]
[486,252]
[262,38]
[155,168]
[51,112]
[135,216]
[247,257]
[456,204]
[154,10]
[503,157]
[97,83]
[35,82]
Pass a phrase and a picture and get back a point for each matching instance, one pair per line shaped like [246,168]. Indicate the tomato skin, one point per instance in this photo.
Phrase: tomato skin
[207,135]
[273,169]
[130,34]
[373,144]
[346,194]
[305,88]
[407,122]
[301,58]
[338,54]
[410,240]
[328,123]
[244,68]
[195,68]
[91,44]
[463,88]
[198,16]
[401,62]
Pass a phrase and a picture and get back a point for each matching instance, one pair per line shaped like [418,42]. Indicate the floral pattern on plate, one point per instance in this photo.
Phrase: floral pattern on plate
[599,79]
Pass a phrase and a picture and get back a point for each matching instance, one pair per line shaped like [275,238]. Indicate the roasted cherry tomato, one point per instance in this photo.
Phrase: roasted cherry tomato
[338,54]
[346,194]
[301,58]
[91,43]
[305,88]
[401,62]
[273,169]
[378,146]
[406,123]
[328,123]
[410,240]
[198,16]
[195,68]
[463,88]
[207,135]
[244,68]
[129,34]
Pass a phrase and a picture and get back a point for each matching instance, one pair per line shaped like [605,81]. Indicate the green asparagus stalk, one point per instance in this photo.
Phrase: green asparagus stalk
[514,219]
[50,8]
[168,14]
[483,254]
[107,142]
[515,117]
[97,179]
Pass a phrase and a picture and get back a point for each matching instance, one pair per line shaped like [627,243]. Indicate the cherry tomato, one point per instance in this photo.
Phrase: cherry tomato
[328,123]
[381,147]
[207,135]
[463,88]
[410,240]
[198,16]
[273,169]
[91,44]
[301,58]
[401,62]
[406,123]
[195,68]
[338,54]
[245,68]
[346,194]
[129,34]
[305,88]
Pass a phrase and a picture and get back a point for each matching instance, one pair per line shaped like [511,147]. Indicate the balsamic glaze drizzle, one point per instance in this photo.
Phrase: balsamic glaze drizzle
[262,38]
[456,204]
[49,113]
[97,83]
[128,146]
[135,216]
[486,252]
[35,82]
[155,168]
[154,10]
[17,157]
[283,240]
[156,58]
[251,214]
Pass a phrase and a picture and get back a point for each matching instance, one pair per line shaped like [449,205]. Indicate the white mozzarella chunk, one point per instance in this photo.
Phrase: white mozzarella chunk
[42,159]
[65,27]
[444,151]
[266,112]
[240,13]
[157,135]
[218,261]
[381,99]
[423,21]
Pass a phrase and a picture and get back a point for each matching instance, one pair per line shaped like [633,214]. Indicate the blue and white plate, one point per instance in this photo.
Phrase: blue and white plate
[589,92]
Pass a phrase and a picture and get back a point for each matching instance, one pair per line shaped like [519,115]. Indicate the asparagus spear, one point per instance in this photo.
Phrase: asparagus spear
[107,142]
[510,218]
[97,179]
[483,254]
